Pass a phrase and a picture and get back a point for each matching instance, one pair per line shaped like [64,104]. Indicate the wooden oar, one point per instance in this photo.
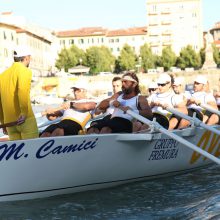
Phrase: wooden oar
[159,128]
[210,109]
[196,121]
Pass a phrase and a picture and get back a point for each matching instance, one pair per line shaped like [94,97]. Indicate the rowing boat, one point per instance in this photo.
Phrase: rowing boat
[44,167]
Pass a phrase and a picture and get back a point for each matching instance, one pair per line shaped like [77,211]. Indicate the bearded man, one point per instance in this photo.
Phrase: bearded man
[129,98]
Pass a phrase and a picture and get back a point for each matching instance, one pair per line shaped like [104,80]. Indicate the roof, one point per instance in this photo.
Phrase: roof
[217,26]
[128,32]
[79,69]
[99,31]
[83,32]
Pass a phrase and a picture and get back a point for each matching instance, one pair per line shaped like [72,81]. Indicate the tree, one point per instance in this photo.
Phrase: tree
[79,55]
[68,58]
[148,58]
[99,59]
[202,55]
[188,58]
[64,60]
[168,58]
[127,58]
[216,54]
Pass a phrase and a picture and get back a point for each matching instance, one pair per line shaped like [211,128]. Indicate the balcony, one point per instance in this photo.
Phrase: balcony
[154,33]
[166,11]
[155,43]
[153,22]
[166,22]
[152,13]
[166,33]
[167,43]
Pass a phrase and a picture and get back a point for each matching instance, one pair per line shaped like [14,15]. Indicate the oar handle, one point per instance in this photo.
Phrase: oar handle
[158,127]
[210,109]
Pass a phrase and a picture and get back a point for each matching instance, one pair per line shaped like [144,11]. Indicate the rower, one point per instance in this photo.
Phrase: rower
[201,96]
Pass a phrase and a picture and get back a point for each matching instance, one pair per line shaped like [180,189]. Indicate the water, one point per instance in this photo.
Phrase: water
[194,195]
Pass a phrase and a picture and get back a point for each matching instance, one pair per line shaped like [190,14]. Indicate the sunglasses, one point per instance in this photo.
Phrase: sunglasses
[152,90]
[162,84]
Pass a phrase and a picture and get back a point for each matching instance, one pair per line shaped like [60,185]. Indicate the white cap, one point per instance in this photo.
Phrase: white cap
[22,51]
[177,82]
[80,85]
[201,79]
[164,78]
[153,85]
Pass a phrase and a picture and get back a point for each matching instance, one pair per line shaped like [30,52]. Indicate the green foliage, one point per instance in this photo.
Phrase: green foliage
[168,58]
[216,54]
[188,58]
[148,58]
[202,55]
[68,58]
[127,58]
[99,59]
[78,54]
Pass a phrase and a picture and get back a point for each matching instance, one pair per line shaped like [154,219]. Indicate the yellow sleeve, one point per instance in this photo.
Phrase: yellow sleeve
[24,86]
[1,112]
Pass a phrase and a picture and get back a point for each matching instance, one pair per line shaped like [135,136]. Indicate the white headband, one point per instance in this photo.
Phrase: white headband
[128,78]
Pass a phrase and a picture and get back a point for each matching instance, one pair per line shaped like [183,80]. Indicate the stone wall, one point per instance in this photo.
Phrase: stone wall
[99,86]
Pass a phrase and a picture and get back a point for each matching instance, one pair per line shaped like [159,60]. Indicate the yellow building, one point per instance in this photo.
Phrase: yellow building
[175,23]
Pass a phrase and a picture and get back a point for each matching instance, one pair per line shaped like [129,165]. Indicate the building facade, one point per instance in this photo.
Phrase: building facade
[14,32]
[97,36]
[174,23]
[215,31]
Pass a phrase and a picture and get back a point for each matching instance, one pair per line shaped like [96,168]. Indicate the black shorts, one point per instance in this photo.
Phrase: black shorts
[162,120]
[70,127]
[100,122]
[199,115]
[117,125]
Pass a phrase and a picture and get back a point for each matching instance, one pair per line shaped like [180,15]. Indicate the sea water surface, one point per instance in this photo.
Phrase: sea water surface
[194,195]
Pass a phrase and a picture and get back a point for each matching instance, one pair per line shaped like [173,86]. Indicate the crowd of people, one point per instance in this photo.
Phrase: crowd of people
[166,93]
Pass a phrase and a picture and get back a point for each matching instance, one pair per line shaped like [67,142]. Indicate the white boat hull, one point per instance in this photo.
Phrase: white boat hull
[45,167]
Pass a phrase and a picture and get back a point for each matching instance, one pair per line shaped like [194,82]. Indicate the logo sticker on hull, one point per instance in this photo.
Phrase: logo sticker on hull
[164,149]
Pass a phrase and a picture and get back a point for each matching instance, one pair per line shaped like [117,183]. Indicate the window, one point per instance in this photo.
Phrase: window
[12,37]
[71,41]
[5,52]
[194,15]
[5,37]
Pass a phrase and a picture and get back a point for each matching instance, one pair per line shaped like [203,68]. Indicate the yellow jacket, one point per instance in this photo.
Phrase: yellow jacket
[15,84]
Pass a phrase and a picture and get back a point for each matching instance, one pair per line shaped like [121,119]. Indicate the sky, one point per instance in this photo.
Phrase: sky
[112,14]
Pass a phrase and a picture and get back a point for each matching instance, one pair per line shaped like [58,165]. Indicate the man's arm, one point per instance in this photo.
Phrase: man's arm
[144,108]
[83,106]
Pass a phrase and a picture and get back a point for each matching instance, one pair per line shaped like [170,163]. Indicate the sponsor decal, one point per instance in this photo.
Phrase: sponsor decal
[15,151]
[164,149]
[209,142]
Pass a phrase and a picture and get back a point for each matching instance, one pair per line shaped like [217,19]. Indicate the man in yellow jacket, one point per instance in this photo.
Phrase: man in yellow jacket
[15,104]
